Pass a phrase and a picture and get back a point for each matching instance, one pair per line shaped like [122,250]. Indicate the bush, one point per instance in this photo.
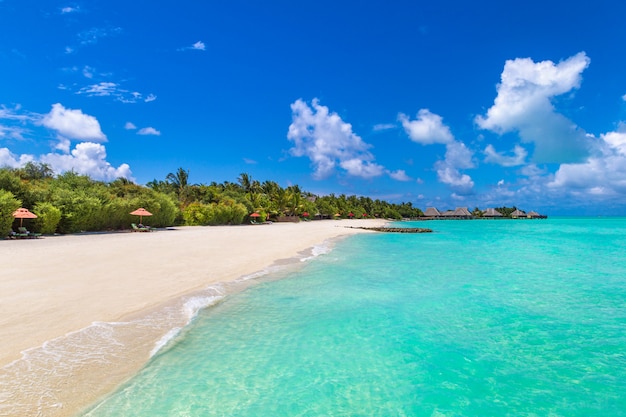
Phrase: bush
[8,204]
[48,218]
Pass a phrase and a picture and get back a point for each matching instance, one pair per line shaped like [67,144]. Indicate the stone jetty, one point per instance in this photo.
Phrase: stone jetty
[394,229]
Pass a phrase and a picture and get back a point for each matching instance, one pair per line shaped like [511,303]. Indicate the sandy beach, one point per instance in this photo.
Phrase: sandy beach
[66,299]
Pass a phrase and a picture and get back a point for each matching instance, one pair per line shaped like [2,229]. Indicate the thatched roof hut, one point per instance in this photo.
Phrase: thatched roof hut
[462,213]
[535,215]
[517,214]
[432,212]
[491,212]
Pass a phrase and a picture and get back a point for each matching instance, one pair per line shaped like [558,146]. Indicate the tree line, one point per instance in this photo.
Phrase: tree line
[70,202]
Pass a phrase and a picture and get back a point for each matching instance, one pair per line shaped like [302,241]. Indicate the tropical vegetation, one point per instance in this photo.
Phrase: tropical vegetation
[70,202]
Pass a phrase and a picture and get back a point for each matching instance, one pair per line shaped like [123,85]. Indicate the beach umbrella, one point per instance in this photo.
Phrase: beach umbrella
[305,214]
[22,213]
[350,214]
[255,215]
[141,212]
[364,214]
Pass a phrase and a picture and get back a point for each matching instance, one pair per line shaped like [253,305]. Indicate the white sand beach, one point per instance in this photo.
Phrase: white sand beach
[54,288]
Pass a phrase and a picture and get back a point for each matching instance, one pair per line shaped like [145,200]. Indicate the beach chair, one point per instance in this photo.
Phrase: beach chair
[22,232]
[141,228]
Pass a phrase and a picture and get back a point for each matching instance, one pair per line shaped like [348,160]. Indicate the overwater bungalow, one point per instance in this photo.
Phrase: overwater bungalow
[432,212]
[535,215]
[492,213]
[517,214]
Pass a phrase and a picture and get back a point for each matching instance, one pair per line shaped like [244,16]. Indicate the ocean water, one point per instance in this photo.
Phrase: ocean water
[479,318]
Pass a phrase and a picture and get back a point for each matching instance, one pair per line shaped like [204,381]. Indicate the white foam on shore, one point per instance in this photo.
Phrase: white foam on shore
[317,250]
[191,307]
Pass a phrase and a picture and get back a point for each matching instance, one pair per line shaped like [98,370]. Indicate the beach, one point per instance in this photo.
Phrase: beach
[62,296]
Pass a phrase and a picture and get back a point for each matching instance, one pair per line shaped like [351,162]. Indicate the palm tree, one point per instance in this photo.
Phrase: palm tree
[180,182]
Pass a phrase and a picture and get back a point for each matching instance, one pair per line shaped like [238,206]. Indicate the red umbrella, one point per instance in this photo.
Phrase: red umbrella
[364,214]
[141,212]
[305,214]
[350,214]
[22,213]
[255,215]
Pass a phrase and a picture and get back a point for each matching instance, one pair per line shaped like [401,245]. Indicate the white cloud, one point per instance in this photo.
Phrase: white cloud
[69,9]
[148,131]
[199,46]
[624,97]
[329,142]
[384,126]
[603,174]
[524,104]
[88,71]
[399,175]
[8,159]
[518,157]
[428,129]
[73,124]
[457,157]
[101,89]
[87,158]
[111,89]
[129,126]
[360,168]
[249,161]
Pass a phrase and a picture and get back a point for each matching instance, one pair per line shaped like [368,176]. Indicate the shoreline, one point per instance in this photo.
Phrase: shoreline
[83,313]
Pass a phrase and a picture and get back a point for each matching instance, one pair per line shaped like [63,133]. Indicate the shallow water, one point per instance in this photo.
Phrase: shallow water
[480,318]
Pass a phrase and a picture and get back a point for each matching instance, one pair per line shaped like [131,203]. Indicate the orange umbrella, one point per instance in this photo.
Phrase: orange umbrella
[141,212]
[255,215]
[22,213]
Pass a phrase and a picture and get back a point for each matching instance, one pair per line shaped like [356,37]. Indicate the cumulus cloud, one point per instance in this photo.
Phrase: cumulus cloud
[148,131]
[329,142]
[603,174]
[429,129]
[87,158]
[129,126]
[8,159]
[518,157]
[73,124]
[523,104]
[448,170]
[400,175]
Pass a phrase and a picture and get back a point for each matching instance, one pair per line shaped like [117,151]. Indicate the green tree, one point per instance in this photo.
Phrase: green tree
[8,204]
[48,217]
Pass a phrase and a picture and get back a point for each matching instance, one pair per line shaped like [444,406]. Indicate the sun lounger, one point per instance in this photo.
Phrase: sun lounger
[23,233]
[141,228]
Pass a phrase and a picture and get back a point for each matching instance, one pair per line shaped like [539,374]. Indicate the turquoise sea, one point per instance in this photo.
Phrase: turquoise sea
[479,318]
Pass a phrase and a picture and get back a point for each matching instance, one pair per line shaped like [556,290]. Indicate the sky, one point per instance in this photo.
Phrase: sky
[442,103]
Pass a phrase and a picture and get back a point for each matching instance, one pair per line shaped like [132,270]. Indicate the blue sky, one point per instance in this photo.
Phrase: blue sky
[445,104]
